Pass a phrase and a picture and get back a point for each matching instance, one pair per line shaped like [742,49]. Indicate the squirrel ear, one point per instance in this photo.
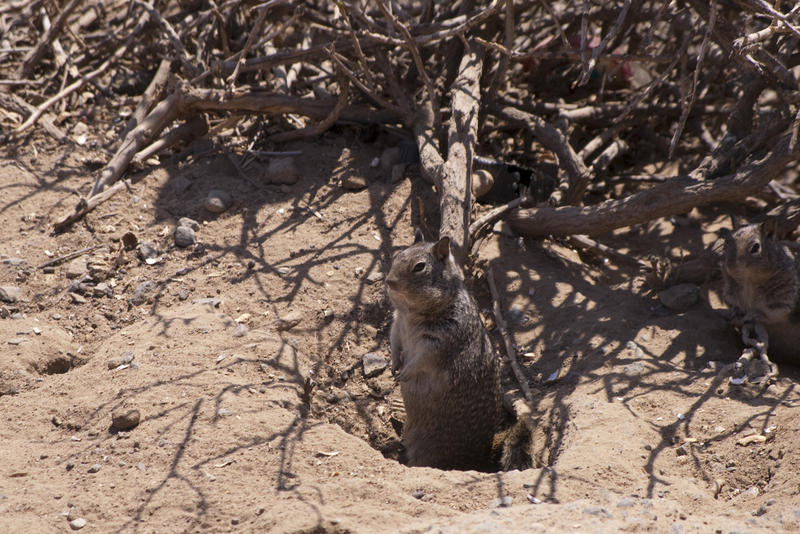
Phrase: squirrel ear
[442,248]
[770,227]
[418,237]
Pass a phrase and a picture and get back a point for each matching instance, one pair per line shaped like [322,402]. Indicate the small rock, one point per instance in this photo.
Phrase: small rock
[217,201]
[374,364]
[288,320]
[224,412]
[102,290]
[77,523]
[241,330]
[184,236]
[680,297]
[14,262]
[634,369]
[116,361]
[94,468]
[9,293]
[189,223]
[282,171]
[418,494]
[76,268]
[146,251]
[354,182]
[597,511]
[125,419]
[76,298]
[143,292]
[16,341]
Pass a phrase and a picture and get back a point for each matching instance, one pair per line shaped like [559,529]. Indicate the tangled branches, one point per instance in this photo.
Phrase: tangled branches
[648,108]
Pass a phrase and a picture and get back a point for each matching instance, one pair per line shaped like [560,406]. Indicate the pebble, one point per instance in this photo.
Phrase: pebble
[680,297]
[95,468]
[288,320]
[77,523]
[634,369]
[597,511]
[125,419]
[116,361]
[282,171]
[9,293]
[218,201]
[76,298]
[189,223]
[146,251]
[76,268]
[374,364]
[184,236]
[418,494]
[102,290]
[16,341]
[354,182]
[142,292]
[14,262]
[183,293]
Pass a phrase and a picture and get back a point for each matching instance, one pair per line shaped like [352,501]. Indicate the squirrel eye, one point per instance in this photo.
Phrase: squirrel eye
[419,267]
[755,248]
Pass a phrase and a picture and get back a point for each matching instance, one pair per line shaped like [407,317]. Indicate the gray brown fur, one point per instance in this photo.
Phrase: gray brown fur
[448,372]
[762,284]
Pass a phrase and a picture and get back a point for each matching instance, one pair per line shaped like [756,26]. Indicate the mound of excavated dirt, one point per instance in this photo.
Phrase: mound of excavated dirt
[241,355]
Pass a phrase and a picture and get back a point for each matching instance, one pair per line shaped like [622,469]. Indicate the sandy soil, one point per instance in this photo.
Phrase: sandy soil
[641,430]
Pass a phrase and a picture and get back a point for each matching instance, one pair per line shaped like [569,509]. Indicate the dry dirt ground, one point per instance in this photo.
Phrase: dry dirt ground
[641,430]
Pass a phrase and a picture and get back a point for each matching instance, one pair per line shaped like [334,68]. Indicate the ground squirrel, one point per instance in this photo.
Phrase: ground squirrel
[762,286]
[449,374]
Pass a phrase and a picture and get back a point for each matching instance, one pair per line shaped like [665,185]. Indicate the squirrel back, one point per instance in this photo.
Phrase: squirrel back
[448,372]
[761,279]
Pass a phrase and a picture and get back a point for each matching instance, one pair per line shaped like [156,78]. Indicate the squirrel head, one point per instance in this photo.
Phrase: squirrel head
[751,249]
[424,277]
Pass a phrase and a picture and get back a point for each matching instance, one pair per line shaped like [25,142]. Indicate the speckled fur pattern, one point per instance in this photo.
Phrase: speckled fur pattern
[761,283]
[448,372]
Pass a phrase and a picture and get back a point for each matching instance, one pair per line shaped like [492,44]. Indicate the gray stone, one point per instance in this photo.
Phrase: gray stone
[374,364]
[680,297]
[14,262]
[102,290]
[9,293]
[143,292]
[94,468]
[184,236]
[146,251]
[634,369]
[282,171]
[116,361]
[218,201]
[77,523]
[77,298]
[76,268]
[189,223]
[126,419]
